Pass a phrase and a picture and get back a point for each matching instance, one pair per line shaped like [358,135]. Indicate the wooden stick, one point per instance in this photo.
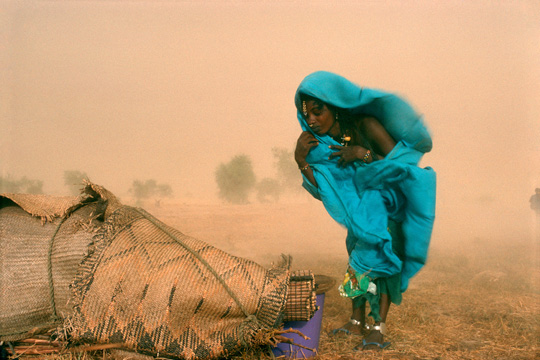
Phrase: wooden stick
[283,339]
[40,342]
[34,351]
[294,331]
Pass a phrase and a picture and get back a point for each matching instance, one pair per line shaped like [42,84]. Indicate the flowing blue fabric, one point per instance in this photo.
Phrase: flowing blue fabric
[362,197]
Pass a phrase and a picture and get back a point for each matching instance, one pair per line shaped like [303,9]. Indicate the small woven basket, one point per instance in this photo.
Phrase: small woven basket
[301,298]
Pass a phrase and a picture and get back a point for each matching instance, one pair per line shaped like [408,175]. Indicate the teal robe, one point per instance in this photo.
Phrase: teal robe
[363,197]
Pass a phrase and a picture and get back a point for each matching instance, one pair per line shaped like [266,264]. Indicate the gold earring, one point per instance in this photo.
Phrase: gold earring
[304,108]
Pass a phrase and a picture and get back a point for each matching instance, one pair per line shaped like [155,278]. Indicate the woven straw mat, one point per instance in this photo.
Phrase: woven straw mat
[38,260]
[158,291]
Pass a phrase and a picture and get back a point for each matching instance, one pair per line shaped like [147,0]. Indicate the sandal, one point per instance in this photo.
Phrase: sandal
[347,331]
[384,345]
[380,328]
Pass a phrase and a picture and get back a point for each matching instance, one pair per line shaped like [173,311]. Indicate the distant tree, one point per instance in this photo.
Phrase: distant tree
[7,185]
[236,179]
[32,186]
[268,189]
[143,190]
[164,190]
[286,169]
[23,185]
[73,179]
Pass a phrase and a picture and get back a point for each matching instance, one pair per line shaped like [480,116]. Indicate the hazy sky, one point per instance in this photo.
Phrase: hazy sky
[127,90]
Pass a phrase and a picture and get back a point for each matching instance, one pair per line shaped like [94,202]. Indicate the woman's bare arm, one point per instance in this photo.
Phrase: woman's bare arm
[377,136]
[305,143]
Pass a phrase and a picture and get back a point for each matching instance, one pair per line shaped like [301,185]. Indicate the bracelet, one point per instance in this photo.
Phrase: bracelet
[380,328]
[304,168]
[366,157]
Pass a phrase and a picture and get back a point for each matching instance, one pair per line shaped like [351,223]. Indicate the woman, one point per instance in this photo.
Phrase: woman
[358,153]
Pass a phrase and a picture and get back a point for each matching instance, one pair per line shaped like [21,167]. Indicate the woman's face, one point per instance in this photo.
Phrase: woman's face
[319,118]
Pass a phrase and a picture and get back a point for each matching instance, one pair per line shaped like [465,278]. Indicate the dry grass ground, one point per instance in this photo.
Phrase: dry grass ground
[477,298]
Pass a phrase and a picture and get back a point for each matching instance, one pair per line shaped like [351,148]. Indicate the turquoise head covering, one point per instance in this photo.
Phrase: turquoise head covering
[363,197]
[394,113]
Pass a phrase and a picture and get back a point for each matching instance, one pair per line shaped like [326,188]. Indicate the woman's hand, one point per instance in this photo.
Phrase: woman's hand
[305,142]
[347,154]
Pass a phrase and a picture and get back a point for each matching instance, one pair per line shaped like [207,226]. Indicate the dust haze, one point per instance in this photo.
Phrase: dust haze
[168,90]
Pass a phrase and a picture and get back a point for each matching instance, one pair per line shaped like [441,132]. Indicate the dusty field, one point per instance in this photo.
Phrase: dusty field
[476,298]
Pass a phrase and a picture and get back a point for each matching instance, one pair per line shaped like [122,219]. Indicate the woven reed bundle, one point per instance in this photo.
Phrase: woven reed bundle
[134,280]
[46,207]
[301,297]
[40,250]
[158,291]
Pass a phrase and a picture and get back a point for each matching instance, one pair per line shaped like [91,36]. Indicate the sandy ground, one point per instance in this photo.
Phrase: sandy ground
[478,297]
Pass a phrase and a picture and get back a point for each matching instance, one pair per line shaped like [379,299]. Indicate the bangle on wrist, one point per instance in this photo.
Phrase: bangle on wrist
[304,168]
[366,157]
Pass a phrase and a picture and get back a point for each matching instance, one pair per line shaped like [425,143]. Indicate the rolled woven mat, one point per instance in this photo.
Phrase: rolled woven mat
[134,280]
[40,251]
[158,291]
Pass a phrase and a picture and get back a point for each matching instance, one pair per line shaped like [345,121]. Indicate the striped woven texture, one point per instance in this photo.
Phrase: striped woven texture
[106,273]
[38,260]
[152,288]
[46,207]
[301,297]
